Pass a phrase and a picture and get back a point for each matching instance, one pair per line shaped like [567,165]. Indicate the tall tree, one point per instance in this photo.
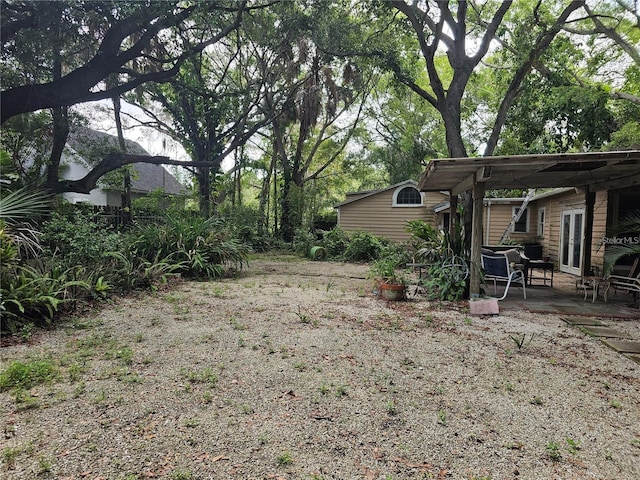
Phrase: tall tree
[211,106]
[122,34]
[407,132]
[313,122]
[126,43]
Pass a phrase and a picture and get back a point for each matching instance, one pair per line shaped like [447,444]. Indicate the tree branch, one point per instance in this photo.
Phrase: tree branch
[114,161]
[540,47]
[76,86]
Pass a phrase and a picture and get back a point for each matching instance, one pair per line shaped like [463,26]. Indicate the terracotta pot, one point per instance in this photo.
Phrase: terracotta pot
[391,292]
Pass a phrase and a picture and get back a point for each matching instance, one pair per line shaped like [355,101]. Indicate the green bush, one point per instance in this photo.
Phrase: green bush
[8,249]
[303,240]
[202,248]
[363,246]
[428,242]
[445,284]
[30,296]
[335,241]
[78,238]
[126,271]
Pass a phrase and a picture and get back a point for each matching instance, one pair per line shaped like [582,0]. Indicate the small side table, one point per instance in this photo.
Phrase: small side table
[591,284]
[545,267]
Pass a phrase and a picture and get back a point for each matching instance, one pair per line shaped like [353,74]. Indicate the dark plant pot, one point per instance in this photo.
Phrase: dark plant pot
[391,292]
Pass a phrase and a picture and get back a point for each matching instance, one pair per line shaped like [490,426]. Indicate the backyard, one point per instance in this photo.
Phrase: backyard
[294,370]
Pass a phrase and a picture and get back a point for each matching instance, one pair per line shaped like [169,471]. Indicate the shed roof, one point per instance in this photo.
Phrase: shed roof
[356,196]
[598,170]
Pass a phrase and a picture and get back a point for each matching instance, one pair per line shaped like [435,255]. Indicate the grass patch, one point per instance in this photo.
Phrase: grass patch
[206,376]
[20,375]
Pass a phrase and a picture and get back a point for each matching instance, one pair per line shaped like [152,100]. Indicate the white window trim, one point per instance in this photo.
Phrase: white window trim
[541,224]
[406,205]
[513,212]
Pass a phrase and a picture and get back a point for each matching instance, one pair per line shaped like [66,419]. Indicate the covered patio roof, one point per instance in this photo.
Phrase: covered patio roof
[591,171]
[597,170]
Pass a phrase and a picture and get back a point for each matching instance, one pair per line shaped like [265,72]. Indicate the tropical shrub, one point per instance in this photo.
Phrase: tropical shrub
[363,246]
[443,284]
[201,248]
[303,240]
[126,271]
[30,296]
[30,291]
[335,242]
[438,248]
[18,210]
[427,241]
[78,237]
[629,229]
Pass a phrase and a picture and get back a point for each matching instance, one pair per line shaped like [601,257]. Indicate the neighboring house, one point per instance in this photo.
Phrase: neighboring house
[385,212]
[86,147]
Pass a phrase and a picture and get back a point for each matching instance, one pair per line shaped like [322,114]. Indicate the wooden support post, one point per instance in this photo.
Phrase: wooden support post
[476,240]
[453,214]
[590,201]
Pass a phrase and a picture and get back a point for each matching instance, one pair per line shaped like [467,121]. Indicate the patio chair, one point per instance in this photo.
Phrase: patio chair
[497,267]
[629,284]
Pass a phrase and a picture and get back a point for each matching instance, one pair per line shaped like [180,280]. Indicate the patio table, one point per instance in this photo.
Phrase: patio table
[540,265]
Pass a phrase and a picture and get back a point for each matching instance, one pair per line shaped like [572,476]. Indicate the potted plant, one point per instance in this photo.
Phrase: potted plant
[391,282]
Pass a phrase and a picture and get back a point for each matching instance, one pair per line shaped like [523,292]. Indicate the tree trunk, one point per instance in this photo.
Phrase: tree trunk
[456,148]
[127,218]
[60,117]
[286,217]
[204,191]
[60,135]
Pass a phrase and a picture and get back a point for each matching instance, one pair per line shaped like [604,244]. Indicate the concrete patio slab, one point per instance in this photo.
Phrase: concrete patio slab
[582,321]
[622,346]
[604,332]
[573,309]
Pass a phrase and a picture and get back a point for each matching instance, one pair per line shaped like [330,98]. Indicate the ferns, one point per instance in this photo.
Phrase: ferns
[30,296]
[81,259]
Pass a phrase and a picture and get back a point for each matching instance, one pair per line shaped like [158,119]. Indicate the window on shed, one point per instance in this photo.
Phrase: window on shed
[522,225]
[541,213]
[408,196]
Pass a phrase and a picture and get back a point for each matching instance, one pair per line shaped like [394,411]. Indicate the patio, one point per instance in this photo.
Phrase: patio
[563,298]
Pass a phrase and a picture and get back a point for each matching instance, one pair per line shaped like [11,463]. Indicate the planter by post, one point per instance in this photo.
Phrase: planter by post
[392,292]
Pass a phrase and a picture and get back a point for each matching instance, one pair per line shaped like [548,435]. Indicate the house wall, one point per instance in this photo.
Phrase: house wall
[498,215]
[75,171]
[555,205]
[376,214]
[496,219]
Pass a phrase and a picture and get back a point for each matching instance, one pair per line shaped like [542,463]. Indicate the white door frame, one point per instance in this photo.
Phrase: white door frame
[571,248]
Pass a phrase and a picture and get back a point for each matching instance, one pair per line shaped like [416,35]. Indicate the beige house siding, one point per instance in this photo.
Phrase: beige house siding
[377,215]
[554,207]
[497,217]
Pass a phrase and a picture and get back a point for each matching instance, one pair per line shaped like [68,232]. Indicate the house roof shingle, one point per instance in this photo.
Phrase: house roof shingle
[93,145]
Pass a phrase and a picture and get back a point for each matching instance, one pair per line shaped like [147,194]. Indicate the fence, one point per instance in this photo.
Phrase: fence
[115,216]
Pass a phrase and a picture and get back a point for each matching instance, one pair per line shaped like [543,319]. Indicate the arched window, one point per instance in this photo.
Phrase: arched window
[407,197]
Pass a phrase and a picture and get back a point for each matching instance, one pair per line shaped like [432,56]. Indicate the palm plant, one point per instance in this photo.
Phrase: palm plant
[16,210]
[27,294]
[629,227]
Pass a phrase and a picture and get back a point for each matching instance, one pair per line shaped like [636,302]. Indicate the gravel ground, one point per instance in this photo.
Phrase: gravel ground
[294,371]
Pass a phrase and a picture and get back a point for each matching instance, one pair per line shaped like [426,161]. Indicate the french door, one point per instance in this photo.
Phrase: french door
[571,240]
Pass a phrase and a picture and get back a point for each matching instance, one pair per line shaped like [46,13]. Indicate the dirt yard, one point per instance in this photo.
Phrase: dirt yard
[294,370]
